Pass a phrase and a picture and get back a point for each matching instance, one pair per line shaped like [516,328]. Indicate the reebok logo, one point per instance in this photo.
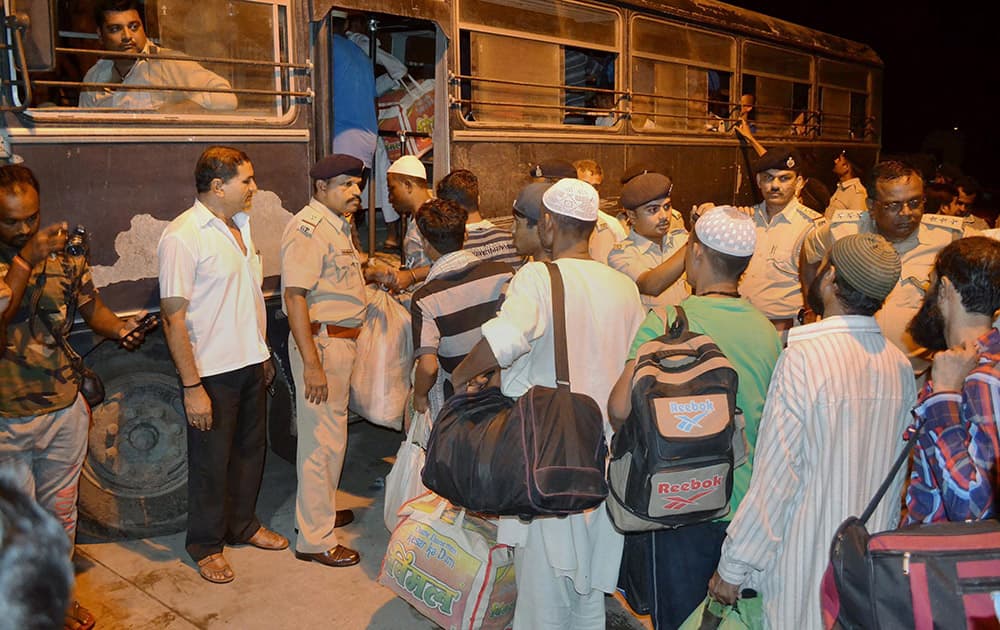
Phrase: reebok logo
[671,492]
[690,414]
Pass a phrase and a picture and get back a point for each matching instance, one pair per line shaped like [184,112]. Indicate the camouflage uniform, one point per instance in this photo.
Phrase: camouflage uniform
[43,418]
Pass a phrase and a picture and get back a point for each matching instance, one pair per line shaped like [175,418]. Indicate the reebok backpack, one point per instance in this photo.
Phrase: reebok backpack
[672,461]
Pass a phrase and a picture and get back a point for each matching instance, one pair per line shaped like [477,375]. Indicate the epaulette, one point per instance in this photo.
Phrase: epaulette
[847,216]
[956,224]
[601,226]
[308,222]
[620,246]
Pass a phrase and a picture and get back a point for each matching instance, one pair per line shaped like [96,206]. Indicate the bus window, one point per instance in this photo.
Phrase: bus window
[782,80]
[681,78]
[558,46]
[206,59]
[843,99]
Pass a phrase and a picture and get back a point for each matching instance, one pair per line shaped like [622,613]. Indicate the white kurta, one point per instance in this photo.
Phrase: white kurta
[832,425]
[603,313]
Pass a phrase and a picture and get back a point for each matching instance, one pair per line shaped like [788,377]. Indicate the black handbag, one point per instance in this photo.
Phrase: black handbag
[542,454]
[91,385]
[938,575]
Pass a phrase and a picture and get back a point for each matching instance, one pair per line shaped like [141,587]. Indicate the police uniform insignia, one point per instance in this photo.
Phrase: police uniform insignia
[309,221]
[790,162]
[620,246]
[306,229]
[601,226]
[944,220]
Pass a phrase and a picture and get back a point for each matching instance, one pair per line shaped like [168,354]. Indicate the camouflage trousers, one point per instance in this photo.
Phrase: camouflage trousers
[46,453]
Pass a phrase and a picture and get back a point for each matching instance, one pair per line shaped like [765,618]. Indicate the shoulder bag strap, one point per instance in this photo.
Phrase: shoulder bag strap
[680,322]
[903,456]
[559,325]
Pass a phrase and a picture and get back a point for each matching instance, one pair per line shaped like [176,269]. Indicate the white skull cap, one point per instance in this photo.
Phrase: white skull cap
[572,198]
[727,230]
[409,165]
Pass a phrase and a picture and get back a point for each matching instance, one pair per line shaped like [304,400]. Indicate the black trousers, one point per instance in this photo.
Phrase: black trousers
[684,560]
[226,463]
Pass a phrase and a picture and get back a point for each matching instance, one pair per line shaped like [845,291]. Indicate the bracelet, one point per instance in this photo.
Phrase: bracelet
[192,386]
[22,262]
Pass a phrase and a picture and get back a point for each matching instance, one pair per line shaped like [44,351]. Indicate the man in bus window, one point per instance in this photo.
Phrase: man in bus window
[120,29]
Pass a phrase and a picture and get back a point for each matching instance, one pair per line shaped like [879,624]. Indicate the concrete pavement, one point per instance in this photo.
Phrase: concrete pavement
[152,584]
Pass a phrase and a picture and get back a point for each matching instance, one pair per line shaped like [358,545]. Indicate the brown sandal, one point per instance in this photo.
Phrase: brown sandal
[265,538]
[78,617]
[216,569]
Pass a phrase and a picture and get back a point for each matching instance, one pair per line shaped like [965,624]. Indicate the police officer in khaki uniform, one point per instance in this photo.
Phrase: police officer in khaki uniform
[657,233]
[897,214]
[771,282]
[323,294]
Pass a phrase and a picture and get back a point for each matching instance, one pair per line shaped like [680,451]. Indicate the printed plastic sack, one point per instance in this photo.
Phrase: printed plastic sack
[403,481]
[408,109]
[381,379]
[446,563]
[746,614]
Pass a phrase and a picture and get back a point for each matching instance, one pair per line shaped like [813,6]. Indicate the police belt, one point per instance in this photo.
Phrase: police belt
[340,332]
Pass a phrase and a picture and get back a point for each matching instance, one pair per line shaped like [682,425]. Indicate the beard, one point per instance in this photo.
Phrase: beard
[927,326]
[814,297]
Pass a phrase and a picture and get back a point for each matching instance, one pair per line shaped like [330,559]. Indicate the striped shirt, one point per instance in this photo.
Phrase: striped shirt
[838,402]
[460,294]
[490,242]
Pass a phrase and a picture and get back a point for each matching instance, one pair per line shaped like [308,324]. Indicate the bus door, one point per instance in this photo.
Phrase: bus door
[407,54]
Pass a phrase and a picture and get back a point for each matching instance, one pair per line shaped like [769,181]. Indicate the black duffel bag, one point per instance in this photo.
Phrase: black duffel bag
[542,454]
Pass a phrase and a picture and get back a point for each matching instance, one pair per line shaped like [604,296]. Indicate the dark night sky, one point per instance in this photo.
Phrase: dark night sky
[940,69]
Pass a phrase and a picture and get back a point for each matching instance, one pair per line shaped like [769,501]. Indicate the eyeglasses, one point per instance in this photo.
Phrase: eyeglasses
[895,206]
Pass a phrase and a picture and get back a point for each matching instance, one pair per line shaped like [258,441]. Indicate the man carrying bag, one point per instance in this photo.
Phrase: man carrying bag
[564,566]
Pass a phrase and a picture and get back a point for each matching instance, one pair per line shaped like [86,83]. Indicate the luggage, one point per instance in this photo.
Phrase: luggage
[635,572]
[672,461]
[446,563]
[745,614]
[380,382]
[403,481]
[542,454]
[936,576]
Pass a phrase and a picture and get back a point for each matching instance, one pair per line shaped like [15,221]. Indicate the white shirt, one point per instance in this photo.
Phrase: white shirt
[850,195]
[836,409]
[603,313]
[172,72]
[201,262]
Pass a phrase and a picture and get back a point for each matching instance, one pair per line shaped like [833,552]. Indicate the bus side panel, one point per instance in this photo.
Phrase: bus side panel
[126,193]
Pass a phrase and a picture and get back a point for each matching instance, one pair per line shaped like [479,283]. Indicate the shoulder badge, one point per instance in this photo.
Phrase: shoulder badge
[601,226]
[620,246]
[846,216]
[945,221]
[309,220]
[819,222]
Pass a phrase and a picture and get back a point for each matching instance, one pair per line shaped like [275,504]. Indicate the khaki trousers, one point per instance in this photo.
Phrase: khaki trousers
[322,441]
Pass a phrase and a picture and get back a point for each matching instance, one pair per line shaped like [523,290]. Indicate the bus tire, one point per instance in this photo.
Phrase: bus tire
[134,478]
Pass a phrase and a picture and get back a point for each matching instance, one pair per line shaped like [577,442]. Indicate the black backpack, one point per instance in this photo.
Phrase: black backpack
[672,461]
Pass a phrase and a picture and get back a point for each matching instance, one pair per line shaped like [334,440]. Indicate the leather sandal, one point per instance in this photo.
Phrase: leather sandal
[265,538]
[216,569]
[78,617]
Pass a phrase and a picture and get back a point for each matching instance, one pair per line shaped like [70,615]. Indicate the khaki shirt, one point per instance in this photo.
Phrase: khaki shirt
[771,282]
[916,253]
[317,255]
[637,254]
[607,232]
[850,195]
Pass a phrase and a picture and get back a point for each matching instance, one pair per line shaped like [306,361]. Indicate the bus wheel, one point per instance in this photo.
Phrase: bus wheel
[134,479]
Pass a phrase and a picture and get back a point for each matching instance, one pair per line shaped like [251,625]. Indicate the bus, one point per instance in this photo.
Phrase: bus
[489,85]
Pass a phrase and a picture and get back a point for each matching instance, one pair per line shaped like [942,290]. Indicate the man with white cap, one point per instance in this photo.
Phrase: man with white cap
[839,399]
[563,566]
[657,233]
[721,244]
[407,183]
